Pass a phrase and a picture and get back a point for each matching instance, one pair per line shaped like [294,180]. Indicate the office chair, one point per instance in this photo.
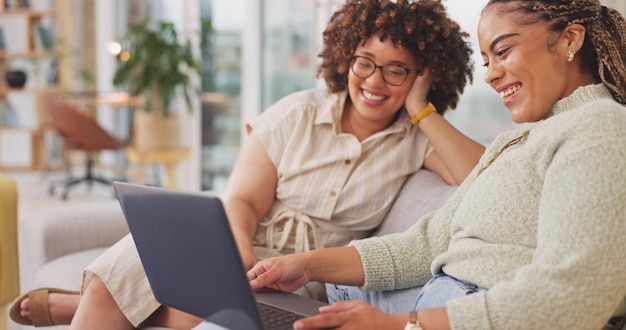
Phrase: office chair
[80,132]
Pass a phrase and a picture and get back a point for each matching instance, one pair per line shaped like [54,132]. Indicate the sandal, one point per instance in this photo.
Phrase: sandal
[39,313]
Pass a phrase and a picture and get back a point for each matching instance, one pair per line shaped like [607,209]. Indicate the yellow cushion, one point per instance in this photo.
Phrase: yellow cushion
[9,273]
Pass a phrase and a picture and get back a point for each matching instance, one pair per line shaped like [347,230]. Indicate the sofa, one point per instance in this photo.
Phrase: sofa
[56,244]
[9,277]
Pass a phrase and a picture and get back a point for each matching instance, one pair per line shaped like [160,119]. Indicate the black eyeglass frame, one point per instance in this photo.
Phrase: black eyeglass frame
[353,59]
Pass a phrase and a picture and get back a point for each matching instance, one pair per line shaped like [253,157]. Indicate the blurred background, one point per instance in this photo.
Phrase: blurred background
[250,54]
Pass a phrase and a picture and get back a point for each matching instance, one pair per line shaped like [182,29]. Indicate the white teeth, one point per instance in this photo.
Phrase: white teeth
[507,92]
[372,97]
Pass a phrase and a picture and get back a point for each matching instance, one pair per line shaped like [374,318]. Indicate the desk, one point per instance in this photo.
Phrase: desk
[168,157]
[115,99]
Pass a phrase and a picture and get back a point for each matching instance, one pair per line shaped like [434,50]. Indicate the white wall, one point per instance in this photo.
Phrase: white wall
[620,5]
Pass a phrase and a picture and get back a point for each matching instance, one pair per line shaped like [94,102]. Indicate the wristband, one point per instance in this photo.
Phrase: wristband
[413,323]
[425,112]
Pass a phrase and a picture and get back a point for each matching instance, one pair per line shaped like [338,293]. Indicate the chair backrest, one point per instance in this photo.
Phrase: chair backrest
[79,130]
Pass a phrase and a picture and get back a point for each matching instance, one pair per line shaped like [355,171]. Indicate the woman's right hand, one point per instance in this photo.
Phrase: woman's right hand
[286,273]
[249,259]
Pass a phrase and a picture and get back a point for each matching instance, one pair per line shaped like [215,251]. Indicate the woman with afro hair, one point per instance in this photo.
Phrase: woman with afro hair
[321,167]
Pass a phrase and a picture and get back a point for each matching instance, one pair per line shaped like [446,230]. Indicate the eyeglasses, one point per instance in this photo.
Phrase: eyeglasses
[393,74]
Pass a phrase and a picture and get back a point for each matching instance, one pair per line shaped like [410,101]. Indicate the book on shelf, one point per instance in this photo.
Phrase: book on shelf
[4,114]
[2,43]
[53,74]
[8,116]
[43,37]
[22,110]
[16,4]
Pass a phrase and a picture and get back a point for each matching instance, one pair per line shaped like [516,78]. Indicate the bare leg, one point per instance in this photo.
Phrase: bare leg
[61,307]
[98,310]
[172,318]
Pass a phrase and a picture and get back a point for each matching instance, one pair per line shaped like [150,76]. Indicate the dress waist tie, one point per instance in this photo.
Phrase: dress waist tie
[303,224]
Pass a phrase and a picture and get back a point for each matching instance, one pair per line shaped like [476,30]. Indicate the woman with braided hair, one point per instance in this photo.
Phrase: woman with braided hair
[392,69]
[534,237]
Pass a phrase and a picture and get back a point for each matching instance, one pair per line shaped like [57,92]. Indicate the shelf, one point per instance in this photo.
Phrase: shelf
[29,42]
[22,148]
[5,91]
[28,12]
[32,54]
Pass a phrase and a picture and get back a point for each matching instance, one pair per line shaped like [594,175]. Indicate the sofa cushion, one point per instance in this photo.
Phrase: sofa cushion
[66,272]
[65,229]
[422,193]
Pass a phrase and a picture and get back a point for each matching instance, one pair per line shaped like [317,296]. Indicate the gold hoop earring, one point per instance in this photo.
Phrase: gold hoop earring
[570,56]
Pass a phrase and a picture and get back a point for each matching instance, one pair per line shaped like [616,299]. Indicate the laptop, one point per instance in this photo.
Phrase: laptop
[189,254]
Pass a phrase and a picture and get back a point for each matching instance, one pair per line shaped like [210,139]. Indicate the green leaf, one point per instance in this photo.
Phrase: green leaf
[157,55]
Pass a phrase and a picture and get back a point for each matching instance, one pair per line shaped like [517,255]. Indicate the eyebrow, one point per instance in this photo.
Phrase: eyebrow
[393,62]
[500,38]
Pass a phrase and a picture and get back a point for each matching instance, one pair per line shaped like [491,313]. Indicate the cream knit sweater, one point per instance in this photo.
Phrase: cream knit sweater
[543,227]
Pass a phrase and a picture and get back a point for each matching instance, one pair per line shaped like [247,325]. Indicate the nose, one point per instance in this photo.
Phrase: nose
[493,74]
[377,75]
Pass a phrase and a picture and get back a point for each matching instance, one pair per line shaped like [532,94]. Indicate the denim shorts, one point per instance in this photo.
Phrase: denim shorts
[441,289]
[435,293]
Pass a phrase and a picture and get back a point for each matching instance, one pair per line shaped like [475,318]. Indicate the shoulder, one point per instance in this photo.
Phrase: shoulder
[603,114]
[598,120]
[297,107]
[589,108]
[302,102]
[311,98]
[591,135]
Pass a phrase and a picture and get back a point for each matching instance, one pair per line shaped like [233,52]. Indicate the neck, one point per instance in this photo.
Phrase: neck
[352,123]
[580,78]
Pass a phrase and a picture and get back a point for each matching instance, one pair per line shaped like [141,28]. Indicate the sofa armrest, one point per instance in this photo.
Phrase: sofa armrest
[58,231]
[423,192]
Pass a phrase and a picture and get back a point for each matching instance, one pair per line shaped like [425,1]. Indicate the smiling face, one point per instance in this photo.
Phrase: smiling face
[527,64]
[374,102]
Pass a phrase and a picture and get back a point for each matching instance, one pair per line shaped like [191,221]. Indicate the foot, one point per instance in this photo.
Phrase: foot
[61,307]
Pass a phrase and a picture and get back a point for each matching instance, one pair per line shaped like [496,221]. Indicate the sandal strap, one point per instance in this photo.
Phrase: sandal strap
[40,315]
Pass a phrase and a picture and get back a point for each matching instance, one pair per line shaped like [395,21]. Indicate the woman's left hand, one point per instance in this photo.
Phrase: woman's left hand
[416,98]
[353,314]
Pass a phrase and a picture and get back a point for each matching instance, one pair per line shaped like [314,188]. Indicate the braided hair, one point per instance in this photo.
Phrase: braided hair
[603,52]
[422,27]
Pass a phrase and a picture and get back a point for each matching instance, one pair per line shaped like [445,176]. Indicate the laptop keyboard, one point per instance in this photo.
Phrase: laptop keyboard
[277,319]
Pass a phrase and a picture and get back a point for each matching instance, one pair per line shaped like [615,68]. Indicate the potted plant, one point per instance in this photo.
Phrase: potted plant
[154,62]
